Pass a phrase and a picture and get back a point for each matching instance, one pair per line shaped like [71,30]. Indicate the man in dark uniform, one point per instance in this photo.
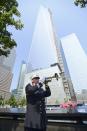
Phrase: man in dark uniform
[35,119]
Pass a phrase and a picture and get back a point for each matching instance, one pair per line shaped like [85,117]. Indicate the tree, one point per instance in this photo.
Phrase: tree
[1,100]
[8,14]
[82,3]
[12,102]
[22,102]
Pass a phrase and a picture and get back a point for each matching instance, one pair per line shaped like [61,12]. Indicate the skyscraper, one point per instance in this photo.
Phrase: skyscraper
[43,48]
[5,81]
[6,66]
[19,91]
[76,60]
[1,59]
[10,60]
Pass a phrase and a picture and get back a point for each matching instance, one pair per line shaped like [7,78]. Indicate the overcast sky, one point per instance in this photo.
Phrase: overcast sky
[67,18]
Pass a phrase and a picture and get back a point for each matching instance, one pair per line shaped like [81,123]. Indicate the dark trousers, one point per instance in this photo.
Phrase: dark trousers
[32,129]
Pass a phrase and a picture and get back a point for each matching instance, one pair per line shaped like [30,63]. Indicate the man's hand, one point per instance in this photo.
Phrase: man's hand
[46,84]
[40,84]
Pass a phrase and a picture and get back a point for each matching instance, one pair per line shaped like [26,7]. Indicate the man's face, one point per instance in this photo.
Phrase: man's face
[35,81]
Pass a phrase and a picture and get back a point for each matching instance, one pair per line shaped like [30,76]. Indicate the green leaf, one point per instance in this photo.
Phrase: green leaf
[7,12]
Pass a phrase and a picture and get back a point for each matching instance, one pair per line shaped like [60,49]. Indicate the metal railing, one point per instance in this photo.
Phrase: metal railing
[78,121]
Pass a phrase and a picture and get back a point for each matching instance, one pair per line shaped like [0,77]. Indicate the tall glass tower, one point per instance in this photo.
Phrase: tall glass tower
[43,48]
[20,86]
[44,51]
[76,60]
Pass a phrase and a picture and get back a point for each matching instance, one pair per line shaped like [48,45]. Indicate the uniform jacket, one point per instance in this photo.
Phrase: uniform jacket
[35,113]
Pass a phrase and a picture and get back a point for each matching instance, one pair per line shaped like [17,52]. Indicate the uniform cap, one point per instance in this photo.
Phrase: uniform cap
[35,76]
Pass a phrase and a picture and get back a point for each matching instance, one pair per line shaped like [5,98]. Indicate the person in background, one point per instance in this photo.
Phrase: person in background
[35,119]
